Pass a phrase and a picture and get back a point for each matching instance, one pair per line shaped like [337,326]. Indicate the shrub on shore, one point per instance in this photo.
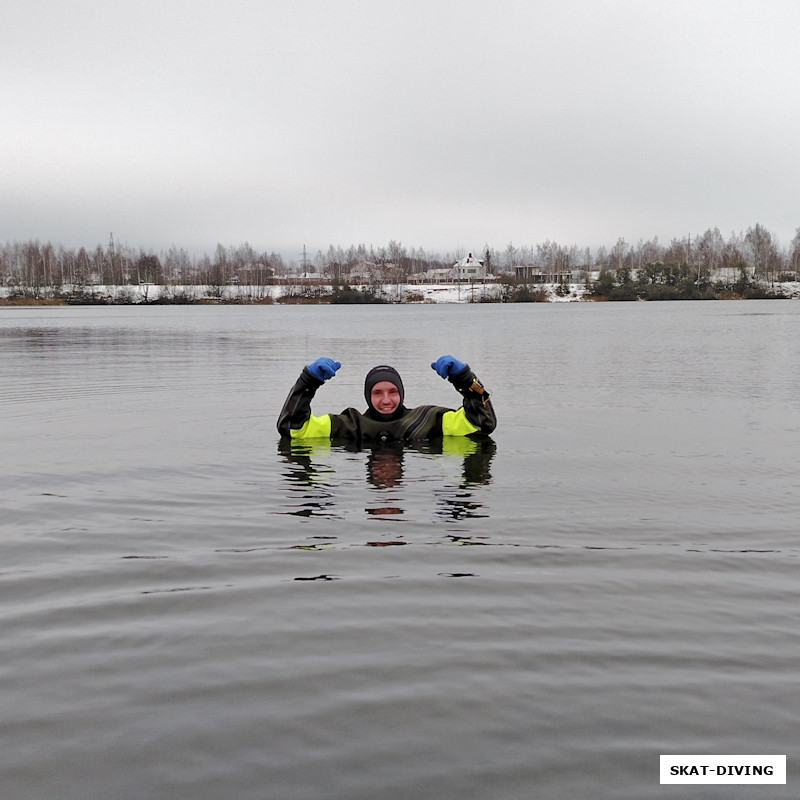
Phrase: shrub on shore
[348,295]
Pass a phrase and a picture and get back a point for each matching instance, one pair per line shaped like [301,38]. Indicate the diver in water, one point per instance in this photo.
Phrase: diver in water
[386,418]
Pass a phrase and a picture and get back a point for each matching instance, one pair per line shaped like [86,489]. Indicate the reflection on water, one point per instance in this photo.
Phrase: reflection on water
[385,478]
[189,611]
[307,479]
[317,475]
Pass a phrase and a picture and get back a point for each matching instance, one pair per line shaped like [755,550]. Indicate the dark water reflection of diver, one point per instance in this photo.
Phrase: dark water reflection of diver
[309,475]
[308,479]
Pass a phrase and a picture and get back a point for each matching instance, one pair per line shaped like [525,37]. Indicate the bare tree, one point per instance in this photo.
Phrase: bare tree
[707,254]
[764,256]
[794,254]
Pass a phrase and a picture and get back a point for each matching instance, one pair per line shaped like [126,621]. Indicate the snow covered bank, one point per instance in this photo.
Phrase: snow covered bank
[403,293]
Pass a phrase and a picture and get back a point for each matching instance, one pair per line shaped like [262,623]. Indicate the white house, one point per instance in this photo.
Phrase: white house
[469,269]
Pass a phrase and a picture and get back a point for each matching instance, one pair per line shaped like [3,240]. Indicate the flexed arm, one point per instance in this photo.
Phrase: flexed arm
[296,420]
[476,414]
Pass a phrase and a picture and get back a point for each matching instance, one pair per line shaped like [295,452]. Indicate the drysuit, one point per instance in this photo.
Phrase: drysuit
[475,416]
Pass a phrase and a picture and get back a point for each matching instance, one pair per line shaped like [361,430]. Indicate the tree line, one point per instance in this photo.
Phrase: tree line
[35,269]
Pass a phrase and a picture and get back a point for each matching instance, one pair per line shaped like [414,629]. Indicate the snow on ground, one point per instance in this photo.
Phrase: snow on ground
[406,293]
[468,293]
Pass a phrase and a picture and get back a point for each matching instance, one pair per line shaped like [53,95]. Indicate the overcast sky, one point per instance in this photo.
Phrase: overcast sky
[441,124]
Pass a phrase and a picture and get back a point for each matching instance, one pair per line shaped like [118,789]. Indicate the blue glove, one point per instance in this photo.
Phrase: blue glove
[323,368]
[447,366]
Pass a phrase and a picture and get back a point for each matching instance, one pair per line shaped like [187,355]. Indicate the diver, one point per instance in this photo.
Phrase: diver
[386,418]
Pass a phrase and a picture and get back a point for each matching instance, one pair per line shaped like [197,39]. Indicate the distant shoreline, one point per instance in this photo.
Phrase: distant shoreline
[323,294]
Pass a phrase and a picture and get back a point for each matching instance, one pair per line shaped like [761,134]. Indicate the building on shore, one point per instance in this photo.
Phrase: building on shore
[468,269]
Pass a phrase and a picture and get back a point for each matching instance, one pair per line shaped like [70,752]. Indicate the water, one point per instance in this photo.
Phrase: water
[190,611]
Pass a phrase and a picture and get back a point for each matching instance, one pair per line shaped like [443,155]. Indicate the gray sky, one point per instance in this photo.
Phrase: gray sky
[442,124]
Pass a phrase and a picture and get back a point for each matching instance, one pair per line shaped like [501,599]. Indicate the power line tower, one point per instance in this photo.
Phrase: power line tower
[305,261]
[111,254]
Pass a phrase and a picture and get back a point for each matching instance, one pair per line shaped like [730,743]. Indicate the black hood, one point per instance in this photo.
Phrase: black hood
[376,375]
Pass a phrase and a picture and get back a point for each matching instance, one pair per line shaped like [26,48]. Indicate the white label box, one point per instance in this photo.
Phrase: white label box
[719,769]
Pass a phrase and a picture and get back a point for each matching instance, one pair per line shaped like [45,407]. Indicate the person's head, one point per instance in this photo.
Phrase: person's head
[383,391]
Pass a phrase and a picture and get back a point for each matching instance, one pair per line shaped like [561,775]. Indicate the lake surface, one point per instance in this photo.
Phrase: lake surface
[189,610]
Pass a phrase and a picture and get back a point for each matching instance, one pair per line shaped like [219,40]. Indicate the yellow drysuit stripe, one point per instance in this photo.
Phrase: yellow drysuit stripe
[314,428]
[459,446]
[455,423]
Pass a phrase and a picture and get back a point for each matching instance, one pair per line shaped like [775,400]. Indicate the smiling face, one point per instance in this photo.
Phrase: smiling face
[385,397]
[383,391]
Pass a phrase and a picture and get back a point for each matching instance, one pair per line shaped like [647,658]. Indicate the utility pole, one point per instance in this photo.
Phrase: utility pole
[304,267]
[112,277]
